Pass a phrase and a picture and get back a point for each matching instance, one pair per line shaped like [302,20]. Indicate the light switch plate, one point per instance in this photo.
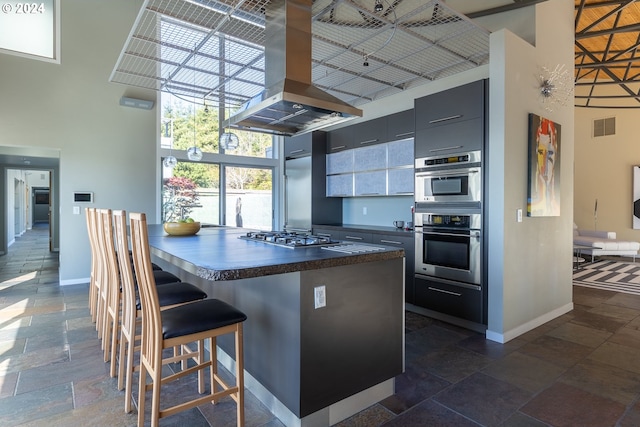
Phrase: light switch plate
[76,210]
[519,215]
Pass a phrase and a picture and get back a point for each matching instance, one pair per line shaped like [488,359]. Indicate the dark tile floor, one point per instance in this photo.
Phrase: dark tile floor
[581,369]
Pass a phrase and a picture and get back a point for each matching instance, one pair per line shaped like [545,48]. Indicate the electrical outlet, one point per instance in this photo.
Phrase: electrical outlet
[320,296]
[519,215]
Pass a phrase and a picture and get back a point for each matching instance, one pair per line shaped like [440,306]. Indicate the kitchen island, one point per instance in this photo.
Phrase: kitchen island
[324,337]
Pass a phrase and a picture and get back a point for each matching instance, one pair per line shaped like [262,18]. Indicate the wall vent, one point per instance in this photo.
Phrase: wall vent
[604,127]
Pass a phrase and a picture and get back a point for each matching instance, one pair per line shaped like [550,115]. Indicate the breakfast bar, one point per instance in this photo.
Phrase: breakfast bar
[324,337]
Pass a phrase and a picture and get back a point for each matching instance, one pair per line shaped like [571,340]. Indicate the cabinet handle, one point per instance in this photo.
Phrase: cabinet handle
[369,141]
[444,119]
[445,292]
[297,151]
[455,147]
[323,234]
[353,237]
[399,135]
[392,242]
[339,147]
[369,194]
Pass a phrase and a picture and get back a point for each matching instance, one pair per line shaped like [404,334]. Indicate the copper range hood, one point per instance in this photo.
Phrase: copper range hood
[290,104]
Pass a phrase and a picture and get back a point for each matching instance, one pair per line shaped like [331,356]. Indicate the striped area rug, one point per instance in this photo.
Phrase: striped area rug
[610,276]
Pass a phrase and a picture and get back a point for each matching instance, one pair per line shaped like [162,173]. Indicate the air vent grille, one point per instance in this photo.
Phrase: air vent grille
[604,127]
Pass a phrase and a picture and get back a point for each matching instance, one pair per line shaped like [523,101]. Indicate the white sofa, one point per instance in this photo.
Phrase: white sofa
[603,243]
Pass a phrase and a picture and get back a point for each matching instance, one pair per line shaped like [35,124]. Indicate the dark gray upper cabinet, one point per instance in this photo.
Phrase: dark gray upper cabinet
[370,132]
[451,121]
[454,138]
[340,139]
[401,125]
[297,146]
[450,106]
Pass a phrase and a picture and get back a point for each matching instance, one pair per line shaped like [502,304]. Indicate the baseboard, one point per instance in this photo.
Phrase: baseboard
[530,325]
[75,281]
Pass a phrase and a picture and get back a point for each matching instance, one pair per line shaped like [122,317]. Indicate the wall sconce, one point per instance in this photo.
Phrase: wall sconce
[136,103]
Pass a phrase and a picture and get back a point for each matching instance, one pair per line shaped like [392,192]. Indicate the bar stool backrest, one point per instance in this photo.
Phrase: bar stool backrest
[126,273]
[112,273]
[91,232]
[150,350]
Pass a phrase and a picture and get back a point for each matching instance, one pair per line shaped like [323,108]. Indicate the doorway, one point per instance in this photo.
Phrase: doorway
[40,212]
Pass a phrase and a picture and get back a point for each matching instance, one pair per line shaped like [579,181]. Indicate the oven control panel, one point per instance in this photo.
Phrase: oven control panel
[461,222]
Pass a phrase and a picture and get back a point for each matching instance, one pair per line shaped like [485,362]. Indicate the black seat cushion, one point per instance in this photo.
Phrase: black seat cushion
[163,277]
[199,316]
[176,293]
[153,266]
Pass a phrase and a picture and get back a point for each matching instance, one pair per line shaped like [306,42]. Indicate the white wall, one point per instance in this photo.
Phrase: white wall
[604,171]
[529,262]
[104,148]
[13,210]
[37,178]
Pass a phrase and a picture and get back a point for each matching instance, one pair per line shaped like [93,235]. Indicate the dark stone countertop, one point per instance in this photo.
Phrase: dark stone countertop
[368,228]
[217,253]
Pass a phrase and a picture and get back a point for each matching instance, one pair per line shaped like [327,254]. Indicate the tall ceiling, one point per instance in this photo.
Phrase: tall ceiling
[212,51]
[607,60]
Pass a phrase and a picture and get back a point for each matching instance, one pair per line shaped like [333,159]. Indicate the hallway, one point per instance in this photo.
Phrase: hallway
[578,370]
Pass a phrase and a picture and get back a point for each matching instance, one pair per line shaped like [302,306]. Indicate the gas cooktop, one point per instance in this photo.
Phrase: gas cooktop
[289,239]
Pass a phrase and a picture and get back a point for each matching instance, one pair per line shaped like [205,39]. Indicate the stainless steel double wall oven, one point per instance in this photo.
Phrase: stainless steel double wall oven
[449,235]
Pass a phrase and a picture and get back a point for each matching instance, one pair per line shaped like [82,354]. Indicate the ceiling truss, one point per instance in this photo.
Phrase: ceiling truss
[607,56]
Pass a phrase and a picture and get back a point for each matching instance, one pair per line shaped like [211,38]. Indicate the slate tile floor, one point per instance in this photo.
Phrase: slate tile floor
[582,369]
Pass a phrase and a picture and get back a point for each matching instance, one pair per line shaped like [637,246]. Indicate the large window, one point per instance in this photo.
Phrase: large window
[191,190]
[185,124]
[232,187]
[31,29]
[249,197]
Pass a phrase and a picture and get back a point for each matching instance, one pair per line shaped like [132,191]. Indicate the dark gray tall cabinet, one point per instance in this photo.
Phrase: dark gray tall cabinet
[452,121]
[306,202]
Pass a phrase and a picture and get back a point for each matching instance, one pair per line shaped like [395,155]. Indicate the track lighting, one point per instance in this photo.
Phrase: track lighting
[378,6]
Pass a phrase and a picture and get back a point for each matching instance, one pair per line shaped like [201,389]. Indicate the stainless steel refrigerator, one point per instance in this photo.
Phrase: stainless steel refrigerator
[306,202]
[298,194]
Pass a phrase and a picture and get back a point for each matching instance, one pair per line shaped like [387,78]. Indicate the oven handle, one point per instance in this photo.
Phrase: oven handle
[447,173]
[471,234]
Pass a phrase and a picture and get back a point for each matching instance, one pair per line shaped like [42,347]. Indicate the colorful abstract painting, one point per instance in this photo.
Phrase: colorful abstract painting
[543,198]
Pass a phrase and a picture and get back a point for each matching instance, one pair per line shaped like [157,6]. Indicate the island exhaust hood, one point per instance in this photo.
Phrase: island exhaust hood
[290,104]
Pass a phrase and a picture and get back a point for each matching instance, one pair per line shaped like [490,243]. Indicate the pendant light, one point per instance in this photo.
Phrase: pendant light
[194,153]
[170,161]
[228,140]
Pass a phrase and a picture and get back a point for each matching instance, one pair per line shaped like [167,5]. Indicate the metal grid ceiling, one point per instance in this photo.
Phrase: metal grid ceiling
[213,50]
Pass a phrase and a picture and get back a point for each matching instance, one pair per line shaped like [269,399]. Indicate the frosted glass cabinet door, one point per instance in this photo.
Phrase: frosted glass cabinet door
[370,158]
[401,181]
[340,185]
[401,153]
[371,183]
[340,162]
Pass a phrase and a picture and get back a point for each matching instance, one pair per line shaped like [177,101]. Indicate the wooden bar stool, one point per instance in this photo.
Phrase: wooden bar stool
[194,322]
[93,285]
[169,295]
